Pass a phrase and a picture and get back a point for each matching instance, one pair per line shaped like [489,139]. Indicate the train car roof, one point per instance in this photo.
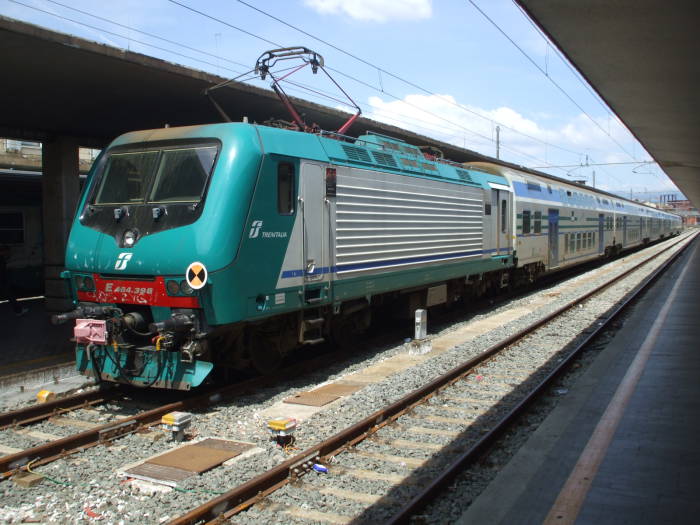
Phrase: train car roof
[369,151]
[497,168]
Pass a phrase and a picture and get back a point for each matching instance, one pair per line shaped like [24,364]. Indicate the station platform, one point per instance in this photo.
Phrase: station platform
[31,341]
[622,446]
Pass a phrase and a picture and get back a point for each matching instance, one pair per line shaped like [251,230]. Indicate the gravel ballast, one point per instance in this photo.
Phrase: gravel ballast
[87,483]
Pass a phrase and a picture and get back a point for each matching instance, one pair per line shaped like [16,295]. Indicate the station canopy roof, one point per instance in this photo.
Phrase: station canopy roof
[641,56]
[57,84]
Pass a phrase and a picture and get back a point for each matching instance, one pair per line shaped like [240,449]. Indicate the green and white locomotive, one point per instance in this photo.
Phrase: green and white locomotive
[232,244]
[226,246]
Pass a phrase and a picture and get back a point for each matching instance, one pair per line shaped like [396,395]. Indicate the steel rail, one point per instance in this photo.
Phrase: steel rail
[41,411]
[421,500]
[242,497]
[48,452]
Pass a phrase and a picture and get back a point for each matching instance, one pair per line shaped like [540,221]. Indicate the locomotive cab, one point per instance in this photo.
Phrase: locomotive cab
[138,257]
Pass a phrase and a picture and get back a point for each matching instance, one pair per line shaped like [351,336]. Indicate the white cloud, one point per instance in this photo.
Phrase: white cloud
[375,10]
[535,141]
[441,117]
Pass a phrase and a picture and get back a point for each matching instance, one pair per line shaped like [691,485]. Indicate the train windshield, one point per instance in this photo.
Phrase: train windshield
[167,175]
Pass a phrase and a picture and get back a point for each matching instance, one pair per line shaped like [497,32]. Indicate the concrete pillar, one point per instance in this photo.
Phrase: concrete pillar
[60,191]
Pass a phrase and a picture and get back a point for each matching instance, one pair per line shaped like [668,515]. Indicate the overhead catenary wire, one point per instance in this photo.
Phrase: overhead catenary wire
[301,86]
[381,70]
[409,121]
[594,164]
[575,73]
[381,89]
[440,117]
[215,19]
[513,150]
[366,84]
[105,31]
[151,35]
[554,82]
[201,13]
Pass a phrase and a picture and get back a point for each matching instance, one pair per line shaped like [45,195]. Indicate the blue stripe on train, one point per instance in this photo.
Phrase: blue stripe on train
[383,264]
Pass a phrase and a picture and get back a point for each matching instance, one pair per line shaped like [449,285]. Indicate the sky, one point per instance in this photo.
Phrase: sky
[454,70]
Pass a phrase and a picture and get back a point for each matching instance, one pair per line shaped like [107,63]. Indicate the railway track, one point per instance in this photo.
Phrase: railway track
[81,411]
[78,411]
[405,453]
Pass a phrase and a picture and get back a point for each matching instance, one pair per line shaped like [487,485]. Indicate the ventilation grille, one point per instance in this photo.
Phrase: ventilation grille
[384,158]
[464,175]
[357,154]
[382,222]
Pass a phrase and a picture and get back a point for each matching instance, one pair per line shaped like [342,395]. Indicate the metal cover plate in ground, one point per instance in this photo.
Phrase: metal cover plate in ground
[158,473]
[338,389]
[199,457]
[311,399]
[224,444]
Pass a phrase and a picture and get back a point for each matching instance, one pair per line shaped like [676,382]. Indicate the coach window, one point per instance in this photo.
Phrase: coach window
[526,221]
[572,243]
[566,243]
[504,214]
[285,188]
[578,242]
[538,222]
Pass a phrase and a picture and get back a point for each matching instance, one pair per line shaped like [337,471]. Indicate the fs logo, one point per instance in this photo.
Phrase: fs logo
[122,260]
[255,229]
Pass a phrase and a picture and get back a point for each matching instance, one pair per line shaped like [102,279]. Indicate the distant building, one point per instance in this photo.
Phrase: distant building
[684,208]
[24,154]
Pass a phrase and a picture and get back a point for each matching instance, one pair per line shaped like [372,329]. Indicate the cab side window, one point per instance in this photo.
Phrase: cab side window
[285,188]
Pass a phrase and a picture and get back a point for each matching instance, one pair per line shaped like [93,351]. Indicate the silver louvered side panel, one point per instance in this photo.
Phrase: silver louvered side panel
[388,221]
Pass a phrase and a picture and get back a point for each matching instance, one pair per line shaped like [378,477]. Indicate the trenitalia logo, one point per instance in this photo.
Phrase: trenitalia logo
[122,260]
[255,229]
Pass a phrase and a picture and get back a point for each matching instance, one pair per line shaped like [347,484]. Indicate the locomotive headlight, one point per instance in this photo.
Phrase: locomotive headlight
[173,288]
[88,284]
[84,283]
[186,288]
[129,237]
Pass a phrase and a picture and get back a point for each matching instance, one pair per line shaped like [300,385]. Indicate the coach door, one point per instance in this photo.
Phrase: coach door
[553,237]
[501,204]
[601,232]
[315,222]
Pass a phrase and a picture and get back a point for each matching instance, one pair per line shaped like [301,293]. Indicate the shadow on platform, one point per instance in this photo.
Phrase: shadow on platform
[31,341]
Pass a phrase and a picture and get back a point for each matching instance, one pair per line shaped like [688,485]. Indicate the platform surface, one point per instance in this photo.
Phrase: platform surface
[649,469]
[31,341]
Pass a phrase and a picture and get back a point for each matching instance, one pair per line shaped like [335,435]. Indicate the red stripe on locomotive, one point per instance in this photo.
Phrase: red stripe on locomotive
[124,291]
